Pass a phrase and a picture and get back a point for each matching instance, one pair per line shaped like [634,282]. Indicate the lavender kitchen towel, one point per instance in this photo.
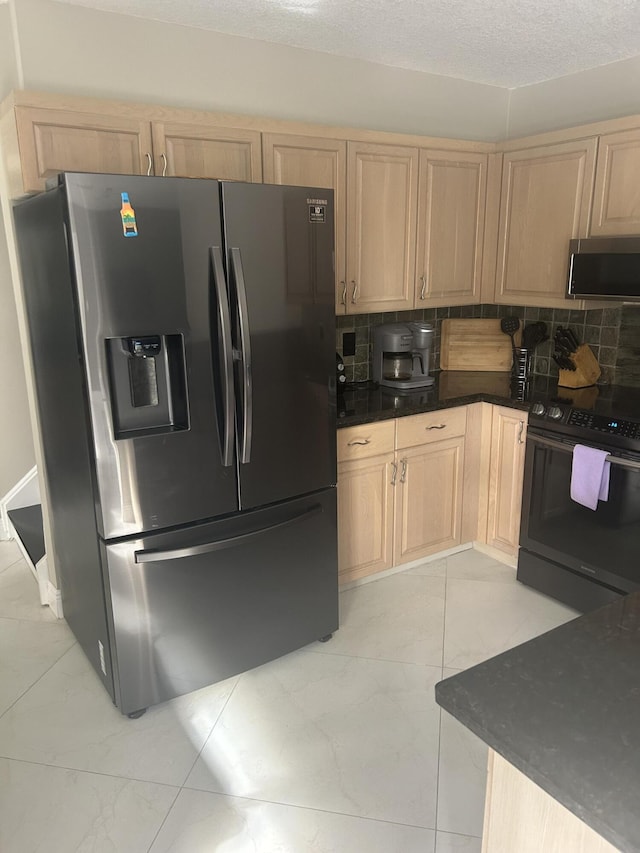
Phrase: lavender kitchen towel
[589,476]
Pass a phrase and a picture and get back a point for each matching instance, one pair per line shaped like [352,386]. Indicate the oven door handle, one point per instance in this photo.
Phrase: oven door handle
[568,448]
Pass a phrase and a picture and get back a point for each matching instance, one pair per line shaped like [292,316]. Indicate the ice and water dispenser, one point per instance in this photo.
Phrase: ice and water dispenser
[147,383]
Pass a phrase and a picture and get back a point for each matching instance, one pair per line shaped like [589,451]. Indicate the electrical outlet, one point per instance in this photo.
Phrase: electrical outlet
[348,344]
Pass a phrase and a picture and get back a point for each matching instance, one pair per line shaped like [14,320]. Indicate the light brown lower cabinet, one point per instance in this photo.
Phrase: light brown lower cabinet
[520,816]
[399,500]
[506,472]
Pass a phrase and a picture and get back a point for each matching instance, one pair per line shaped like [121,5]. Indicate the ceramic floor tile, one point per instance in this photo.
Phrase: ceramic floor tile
[9,553]
[474,565]
[462,777]
[485,618]
[27,650]
[47,808]
[399,618]
[202,822]
[19,596]
[67,719]
[335,733]
[447,842]
[433,568]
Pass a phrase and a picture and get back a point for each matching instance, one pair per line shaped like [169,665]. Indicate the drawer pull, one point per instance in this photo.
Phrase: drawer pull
[440,426]
[358,441]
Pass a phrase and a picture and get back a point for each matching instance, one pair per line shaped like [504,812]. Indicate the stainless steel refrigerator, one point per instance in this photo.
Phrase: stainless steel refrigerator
[183,337]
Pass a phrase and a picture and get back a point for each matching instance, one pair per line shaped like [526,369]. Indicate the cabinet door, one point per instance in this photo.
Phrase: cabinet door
[428,509]
[451,208]
[381,227]
[306,161]
[506,472]
[365,516]
[616,202]
[201,151]
[546,198]
[53,141]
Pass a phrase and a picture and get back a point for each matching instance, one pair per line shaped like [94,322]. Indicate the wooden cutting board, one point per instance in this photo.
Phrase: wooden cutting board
[475,345]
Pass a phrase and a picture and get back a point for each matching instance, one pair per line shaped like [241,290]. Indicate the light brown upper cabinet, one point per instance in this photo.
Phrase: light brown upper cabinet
[381,227]
[545,202]
[199,151]
[52,141]
[616,200]
[307,161]
[57,140]
[451,210]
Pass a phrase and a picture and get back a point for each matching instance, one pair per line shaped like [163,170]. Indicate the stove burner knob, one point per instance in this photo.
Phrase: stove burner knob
[555,413]
[537,409]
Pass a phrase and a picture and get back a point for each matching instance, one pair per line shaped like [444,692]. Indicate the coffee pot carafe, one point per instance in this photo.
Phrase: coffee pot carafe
[401,355]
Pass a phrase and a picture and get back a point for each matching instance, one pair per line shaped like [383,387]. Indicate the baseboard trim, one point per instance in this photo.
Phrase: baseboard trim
[54,600]
[501,556]
[26,492]
[385,573]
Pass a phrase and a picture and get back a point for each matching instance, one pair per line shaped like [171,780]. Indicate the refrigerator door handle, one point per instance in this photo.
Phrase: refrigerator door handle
[224,318]
[220,544]
[245,344]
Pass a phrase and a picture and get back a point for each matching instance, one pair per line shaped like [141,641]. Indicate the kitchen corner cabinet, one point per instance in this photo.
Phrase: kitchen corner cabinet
[366,472]
[308,161]
[57,140]
[381,227]
[452,188]
[545,202]
[506,473]
[399,500]
[616,198]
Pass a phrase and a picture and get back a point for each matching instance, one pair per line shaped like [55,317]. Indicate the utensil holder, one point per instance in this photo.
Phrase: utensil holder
[521,364]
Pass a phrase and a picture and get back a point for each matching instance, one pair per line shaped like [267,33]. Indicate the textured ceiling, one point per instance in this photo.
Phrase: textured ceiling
[507,43]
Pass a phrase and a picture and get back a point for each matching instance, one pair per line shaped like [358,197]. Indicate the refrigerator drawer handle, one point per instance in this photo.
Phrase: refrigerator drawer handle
[245,343]
[224,319]
[220,544]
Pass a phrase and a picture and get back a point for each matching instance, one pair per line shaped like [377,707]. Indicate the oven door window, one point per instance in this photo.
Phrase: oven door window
[602,542]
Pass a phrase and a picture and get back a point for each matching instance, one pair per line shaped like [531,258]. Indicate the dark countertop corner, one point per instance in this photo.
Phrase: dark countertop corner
[564,709]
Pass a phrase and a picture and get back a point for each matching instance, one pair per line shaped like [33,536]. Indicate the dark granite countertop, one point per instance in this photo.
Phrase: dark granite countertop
[564,708]
[367,403]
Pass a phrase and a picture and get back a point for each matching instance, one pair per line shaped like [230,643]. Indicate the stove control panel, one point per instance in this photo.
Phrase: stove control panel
[599,423]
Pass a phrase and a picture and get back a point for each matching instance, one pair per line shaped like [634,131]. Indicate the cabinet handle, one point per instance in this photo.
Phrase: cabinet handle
[440,426]
[395,473]
[354,294]
[520,431]
[423,289]
[163,157]
[403,475]
[343,298]
[149,162]
[358,441]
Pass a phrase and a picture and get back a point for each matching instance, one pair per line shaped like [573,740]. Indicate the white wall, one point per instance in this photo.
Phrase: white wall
[82,51]
[16,444]
[600,93]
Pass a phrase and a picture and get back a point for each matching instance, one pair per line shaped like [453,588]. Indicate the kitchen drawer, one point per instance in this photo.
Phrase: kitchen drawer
[432,426]
[367,440]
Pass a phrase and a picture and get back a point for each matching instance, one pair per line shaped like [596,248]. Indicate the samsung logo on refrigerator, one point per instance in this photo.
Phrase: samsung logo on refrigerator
[605,268]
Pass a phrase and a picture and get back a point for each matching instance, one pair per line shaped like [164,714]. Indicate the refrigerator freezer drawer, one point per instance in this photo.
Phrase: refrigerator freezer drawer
[198,605]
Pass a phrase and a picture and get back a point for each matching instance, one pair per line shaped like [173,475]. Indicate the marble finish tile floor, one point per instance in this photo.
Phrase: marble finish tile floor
[336,748]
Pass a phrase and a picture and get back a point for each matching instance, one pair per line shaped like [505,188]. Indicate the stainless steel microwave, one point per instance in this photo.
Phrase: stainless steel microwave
[605,268]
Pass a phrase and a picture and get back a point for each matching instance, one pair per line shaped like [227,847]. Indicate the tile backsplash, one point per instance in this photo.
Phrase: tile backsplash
[612,333]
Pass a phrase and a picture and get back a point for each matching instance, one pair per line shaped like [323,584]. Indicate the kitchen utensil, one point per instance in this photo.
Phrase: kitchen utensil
[475,344]
[510,325]
[534,334]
